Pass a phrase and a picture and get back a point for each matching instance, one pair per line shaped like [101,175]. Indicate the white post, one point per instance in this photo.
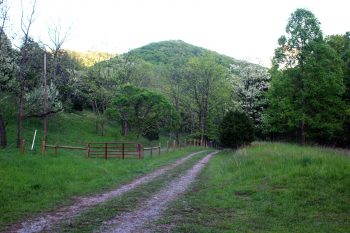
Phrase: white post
[33,140]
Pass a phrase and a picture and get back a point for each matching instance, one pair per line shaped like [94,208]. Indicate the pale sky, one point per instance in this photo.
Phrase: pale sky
[243,29]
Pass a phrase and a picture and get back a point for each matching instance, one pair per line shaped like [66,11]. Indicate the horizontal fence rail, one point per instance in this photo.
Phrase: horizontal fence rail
[56,147]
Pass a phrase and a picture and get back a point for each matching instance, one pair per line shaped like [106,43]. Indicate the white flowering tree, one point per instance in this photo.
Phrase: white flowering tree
[34,102]
[250,82]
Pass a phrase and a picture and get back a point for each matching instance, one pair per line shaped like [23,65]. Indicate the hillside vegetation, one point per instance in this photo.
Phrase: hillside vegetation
[177,52]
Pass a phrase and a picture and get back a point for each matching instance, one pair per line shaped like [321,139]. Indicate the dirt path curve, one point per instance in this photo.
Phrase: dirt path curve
[135,221]
[45,221]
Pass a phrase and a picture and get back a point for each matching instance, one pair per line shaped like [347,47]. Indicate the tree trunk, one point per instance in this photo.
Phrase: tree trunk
[20,113]
[3,132]
[103,128]
[125,127]
[45,100]
[302,132]
[202,128]
[45,128]
[177,109]
[302,124]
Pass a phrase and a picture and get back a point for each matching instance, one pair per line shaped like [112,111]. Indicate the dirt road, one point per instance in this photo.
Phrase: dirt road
[152,209]
[158,202]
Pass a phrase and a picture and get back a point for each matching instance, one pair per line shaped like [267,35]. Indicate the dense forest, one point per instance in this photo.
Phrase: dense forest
[177,89]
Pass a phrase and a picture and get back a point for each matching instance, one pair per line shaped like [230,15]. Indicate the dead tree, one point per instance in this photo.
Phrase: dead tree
[26,23]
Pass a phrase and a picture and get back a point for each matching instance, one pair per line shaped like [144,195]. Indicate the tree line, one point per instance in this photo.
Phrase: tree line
[178,89]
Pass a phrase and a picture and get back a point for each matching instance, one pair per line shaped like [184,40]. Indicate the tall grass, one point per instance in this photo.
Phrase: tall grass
[269,188]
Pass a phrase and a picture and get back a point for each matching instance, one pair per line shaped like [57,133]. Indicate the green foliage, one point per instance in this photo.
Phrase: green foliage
[137,107]
[206,82]
[8,66]
[34,101]
[302,28]
[176,52]
[306,95]
[236,130]
[90,58]
[341,44]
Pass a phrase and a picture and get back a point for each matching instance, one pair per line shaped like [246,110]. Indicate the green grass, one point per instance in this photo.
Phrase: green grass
[69,129]
[270,188]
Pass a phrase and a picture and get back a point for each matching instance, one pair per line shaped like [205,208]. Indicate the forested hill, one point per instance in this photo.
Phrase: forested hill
[177,52]
[199,84]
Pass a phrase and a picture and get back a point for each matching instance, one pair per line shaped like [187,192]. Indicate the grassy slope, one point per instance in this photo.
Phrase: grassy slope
[273,188]
[32,184]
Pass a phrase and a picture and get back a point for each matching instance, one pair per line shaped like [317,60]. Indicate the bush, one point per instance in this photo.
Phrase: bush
[236,129]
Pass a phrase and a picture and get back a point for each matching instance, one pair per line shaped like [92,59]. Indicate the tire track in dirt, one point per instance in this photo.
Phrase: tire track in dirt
[46,221]
[135,221]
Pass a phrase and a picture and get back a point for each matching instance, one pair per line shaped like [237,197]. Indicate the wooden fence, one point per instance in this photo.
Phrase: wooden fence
[56,147]
[121,150]
[156,148]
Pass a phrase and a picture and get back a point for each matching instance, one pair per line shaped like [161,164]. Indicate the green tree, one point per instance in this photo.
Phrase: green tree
[341,44]
[205,78]
[99,87]
[307,82]
[140,108]
[236,129]
[7,72]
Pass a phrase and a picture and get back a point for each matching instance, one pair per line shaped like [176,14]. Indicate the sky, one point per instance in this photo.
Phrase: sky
[243,29]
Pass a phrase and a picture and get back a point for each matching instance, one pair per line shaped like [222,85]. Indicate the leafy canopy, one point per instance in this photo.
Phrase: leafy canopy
[236,129]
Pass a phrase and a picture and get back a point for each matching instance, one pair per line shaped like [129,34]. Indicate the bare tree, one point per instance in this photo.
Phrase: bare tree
[57,38]
[26,23]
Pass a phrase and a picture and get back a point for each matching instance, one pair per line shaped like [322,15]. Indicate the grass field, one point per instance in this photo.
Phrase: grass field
[267,188]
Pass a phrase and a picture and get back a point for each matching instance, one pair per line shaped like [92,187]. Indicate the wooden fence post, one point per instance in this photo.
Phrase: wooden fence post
[139,150]
[87,151]
[43,149]
[151,152]
[23,147]
[142,151]
[159,149]
[123,150]
[167,146]
[56,150]
[106,150]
